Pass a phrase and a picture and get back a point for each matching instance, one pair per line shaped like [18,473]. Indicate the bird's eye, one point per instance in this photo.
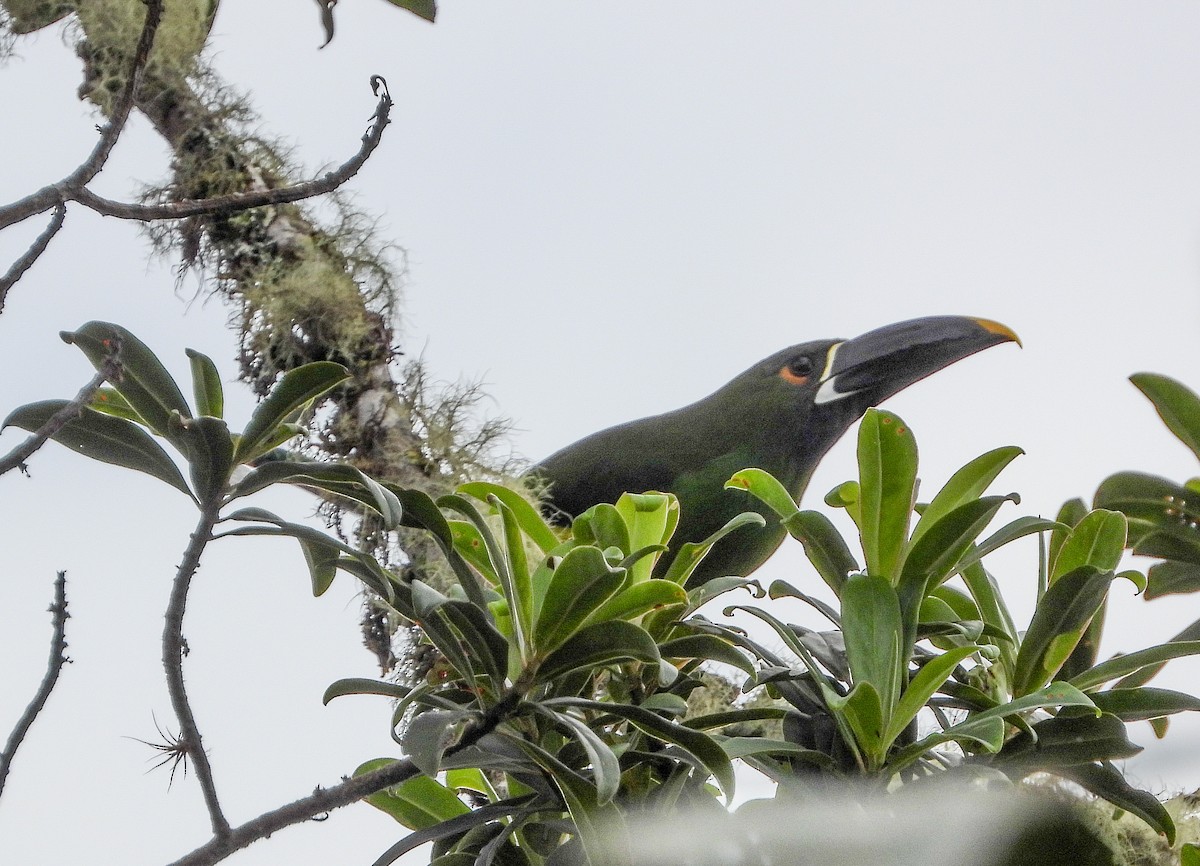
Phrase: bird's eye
[797,370]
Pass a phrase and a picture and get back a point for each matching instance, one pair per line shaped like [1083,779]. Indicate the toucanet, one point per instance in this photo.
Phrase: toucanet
[782,415]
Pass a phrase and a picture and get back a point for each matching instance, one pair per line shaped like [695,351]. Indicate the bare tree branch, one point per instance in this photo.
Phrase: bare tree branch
[25,262]
[109,371]
[224,204]
[324,800]
[58,658]
[173,652]
[55,194]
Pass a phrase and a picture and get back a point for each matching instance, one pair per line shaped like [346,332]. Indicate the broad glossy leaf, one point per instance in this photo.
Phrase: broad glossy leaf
[965,485]
[363,686]
[1069,515]
[428,735]
[718,586]
[599,644]
[783,589]
[887,467]
[338,478]
[496,557]
[651,519]
[1134,662]
[208,447]
[666,702]
[1169,578]
[763,486]
[1011,531]
[582,583]
[1109,784]
[640,598]
[707,646]
[206,385]
[874,637]
[703,747]
[1140,704]
[418,803]
[1150,502]
[847,495]
[923,686]
[1058,623]
[862,711]
[426,9]
[1067,740]
[477,632]
[105,438]
[322,561]
[527,516]
[690,554]
[1177,405]
[824,547]
[294,390]
[606,771]
[109,401]
[145,382]
[602,526]
[1177,543]
[1097,540]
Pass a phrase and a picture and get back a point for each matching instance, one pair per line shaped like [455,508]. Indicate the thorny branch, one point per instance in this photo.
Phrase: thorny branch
[325,800]
[109,371]
[54,194]
[173,652]
[25,262]
[58,658]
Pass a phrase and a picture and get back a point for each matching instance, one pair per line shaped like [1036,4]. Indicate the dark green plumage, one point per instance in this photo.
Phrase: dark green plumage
[781,415]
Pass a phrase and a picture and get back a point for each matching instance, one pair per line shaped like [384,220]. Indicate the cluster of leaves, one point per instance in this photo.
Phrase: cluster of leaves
[557,707]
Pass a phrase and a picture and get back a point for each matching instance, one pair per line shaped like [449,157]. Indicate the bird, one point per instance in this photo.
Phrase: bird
[782,415]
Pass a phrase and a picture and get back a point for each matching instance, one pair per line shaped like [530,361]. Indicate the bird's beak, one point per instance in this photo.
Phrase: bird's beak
[884,361]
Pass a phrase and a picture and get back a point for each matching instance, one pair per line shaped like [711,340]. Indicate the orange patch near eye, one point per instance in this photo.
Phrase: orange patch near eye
[786,374]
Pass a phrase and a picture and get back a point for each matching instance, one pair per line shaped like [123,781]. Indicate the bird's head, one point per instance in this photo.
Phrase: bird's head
[823,387]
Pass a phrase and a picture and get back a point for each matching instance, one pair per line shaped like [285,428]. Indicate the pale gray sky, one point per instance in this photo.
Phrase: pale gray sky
[609,210]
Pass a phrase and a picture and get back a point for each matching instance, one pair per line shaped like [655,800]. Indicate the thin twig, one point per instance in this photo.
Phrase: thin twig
[173,652]
[54,194]
[109,371]
[324,800]
[239,201]
[58,658]
[25,262]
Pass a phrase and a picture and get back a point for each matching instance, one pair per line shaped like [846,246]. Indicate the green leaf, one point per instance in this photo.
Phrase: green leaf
[1068,740]
[599,644]
[1140,704]
[105,438]
[640,598]
[337,478]
[1189,854]
[847,495]
[744,747]
[1169,578]
[1097,540]
[1177,405]
[363,686]
[322,561]
[824,547]
[145,383]
[1109,784]
[932,675]
[707,646]
[1134,662]
[208,447]
[496,558]
[874,633]
[426,9]
[1069,515]
[965,485]
[651,519]
[1058,623]
[1011,531]
[479,636]
[692,553]
[428,735]
[863,711]
[606,771]
[527,516]
[109,401]
[936,556]
[294,390]
[517,565]
[701,746]
[206,385]
[887,466]
[666,702]
[417,803]
[763,486]
[582,582]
